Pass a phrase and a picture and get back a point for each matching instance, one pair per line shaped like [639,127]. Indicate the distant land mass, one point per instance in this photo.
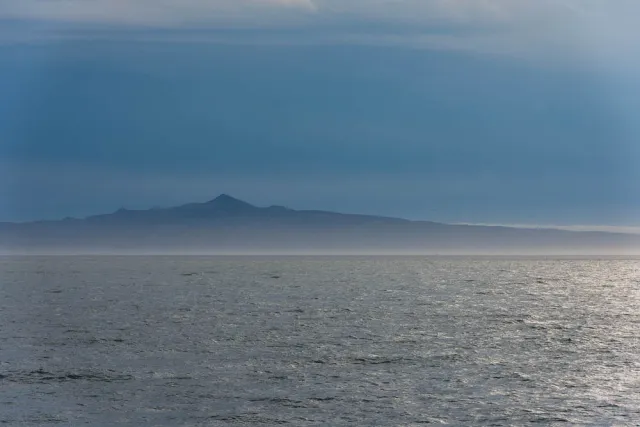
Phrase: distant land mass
[226,225]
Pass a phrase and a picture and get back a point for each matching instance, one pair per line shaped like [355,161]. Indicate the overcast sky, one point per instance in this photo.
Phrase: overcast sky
[479,111]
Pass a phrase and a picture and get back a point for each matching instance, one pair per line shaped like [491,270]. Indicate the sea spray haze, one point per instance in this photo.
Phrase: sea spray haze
[318,341]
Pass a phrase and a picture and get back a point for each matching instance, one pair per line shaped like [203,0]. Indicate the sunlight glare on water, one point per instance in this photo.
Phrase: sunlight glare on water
[319,341]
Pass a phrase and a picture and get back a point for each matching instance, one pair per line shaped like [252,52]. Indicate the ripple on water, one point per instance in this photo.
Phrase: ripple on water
[318,341]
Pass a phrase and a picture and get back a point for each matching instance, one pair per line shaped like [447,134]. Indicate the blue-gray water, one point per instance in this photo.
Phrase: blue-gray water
[171,341]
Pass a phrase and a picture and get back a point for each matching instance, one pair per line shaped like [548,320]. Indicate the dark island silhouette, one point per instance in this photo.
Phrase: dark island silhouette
[229,225]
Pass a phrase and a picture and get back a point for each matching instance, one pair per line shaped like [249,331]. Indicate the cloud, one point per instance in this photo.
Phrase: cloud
[232,12]
[601,30]
[154,13]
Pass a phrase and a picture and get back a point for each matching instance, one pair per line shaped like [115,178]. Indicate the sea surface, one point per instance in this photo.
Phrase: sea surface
[305,341]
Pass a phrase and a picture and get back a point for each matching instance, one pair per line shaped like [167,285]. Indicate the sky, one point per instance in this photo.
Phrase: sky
[465,111]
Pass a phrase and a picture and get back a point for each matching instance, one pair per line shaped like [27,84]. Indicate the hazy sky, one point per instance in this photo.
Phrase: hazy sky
[482,111]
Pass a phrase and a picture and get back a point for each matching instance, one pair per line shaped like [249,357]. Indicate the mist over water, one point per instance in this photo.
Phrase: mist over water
[193,341]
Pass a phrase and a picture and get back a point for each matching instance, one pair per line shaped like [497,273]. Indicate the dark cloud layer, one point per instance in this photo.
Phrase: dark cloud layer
[400,131]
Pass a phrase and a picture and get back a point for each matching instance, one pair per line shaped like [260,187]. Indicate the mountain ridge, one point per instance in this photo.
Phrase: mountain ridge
[227,224]
[222,203]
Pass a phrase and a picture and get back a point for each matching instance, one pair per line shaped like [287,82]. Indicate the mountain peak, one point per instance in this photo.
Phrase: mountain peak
[225,198]
[227,201]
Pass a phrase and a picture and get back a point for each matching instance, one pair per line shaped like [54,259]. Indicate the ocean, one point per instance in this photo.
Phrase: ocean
[311,341]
